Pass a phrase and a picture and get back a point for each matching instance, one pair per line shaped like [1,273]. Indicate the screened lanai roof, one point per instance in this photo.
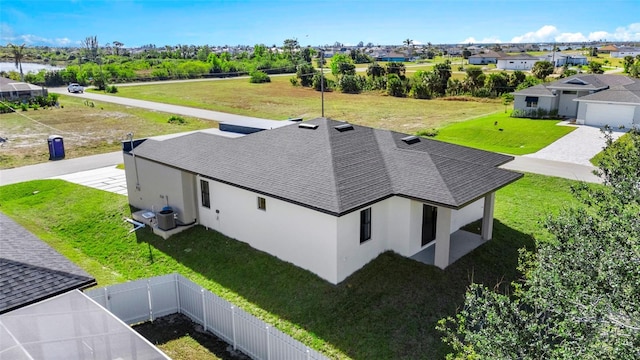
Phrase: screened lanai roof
[70,326]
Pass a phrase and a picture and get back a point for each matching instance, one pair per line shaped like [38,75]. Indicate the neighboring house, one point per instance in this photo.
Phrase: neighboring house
[324,195]
[591,99]
[43,313]
[559,59]
[516,62]
[15,90]
[489,57]
[607,49]
[625,51]
[392,57]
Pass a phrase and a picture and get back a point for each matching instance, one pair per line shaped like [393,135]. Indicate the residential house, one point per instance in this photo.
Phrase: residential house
[625,51]
[392,56]
[325,195]
[607,49]
[591,99]
[521,62]
[16,90]
[43,313]
[485,58]
[559,59]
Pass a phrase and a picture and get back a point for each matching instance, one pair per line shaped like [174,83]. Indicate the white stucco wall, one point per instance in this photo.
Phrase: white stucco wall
[516,64]
[302,236]
[466,215]
[544,102]
[159,185]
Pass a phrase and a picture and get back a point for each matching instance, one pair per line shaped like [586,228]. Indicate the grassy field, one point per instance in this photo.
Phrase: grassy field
[86,129]
[500,133]
[388,309]
[280,100]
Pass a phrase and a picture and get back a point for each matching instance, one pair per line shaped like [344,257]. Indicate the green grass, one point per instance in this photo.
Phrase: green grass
[388,309]
[510,135]
[280,100]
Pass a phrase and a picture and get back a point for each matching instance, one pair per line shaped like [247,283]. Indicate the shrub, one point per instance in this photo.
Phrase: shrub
[482,92]
[306,73]
[395,87]
[350,84]
[294,81]
[112,89]
[258,77]
[317,84]
[427,132]
[420,90]
[24,106]
[176,120]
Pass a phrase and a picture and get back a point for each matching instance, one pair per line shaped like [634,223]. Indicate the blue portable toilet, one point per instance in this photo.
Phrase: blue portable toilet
[56,147]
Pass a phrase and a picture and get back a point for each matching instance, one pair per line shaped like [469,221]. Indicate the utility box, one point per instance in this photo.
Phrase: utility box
[165,219]
[56,147]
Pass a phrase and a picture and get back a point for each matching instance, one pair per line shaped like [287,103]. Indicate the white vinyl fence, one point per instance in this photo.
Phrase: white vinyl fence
[148,299]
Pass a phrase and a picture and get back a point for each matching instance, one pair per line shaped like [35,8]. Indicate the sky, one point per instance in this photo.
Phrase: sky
[381,22]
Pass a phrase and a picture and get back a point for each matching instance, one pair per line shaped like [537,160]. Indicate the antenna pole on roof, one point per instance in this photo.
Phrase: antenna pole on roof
[322,78]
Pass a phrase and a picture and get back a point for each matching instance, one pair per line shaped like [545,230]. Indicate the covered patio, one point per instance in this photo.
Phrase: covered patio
[462,243]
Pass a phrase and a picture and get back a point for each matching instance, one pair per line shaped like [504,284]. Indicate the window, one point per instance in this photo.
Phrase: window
[204,194]
[532,101]
[262,203]
[365,225]
[569,92]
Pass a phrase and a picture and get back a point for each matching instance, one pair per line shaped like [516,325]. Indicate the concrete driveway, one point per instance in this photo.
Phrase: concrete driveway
[577,147]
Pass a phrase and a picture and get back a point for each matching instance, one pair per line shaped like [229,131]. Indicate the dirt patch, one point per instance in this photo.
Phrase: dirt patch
[170,334]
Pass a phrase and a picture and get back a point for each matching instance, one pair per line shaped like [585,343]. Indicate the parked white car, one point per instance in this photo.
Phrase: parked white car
[75,88]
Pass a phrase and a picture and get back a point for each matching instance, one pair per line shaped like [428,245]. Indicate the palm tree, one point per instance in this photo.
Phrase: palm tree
[18,54]
[409,44]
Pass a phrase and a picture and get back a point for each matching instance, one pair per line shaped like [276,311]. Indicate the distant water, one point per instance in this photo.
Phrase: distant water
[27,67]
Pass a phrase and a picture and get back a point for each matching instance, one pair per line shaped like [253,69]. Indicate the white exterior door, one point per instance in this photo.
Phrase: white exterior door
[608,114]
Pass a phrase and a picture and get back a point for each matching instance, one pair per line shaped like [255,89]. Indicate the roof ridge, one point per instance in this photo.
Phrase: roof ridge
[327,132]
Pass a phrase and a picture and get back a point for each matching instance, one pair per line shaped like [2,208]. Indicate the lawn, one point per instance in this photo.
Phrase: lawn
[386,310]
[88,128]
[280,100]
[500,133]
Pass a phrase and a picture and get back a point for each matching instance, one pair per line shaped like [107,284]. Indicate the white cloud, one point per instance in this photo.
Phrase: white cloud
[488,40]
[544,34]
[549,33]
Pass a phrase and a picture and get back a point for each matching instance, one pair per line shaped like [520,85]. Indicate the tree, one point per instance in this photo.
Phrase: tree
[375,70]
[395,86]
[542,69]
[91,48]
[18,55]
[409,44]
[595,68]
[474,80]
[290,46]
[439,80]
[498,83]
[305,73]
[580,296]
[396,68]
[342,64]
[117,45]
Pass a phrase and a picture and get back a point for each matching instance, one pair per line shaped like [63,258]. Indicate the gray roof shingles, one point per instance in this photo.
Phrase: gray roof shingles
[31,270]
[337,172]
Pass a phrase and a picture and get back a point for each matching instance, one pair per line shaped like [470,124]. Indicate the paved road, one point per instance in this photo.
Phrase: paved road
[168,108]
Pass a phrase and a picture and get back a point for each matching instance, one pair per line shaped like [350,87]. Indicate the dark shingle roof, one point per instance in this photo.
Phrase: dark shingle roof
[337,172]
[590,82]
[31,270]
[537,90]
[619,94]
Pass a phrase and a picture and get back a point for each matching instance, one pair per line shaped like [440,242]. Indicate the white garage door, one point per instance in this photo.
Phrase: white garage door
[607,114]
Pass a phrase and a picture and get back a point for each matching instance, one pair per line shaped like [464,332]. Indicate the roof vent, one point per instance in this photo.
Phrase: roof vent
[411,139]
[344,127]
[295,119]
[307,126]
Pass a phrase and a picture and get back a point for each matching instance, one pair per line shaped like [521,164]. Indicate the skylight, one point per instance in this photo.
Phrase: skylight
[344,127]
[411,139]
[308,126]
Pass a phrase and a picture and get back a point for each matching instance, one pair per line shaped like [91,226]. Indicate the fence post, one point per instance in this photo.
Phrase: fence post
[149,297]
[176,279]
[204,310]
[268,344]
[106,299]
[233,326]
